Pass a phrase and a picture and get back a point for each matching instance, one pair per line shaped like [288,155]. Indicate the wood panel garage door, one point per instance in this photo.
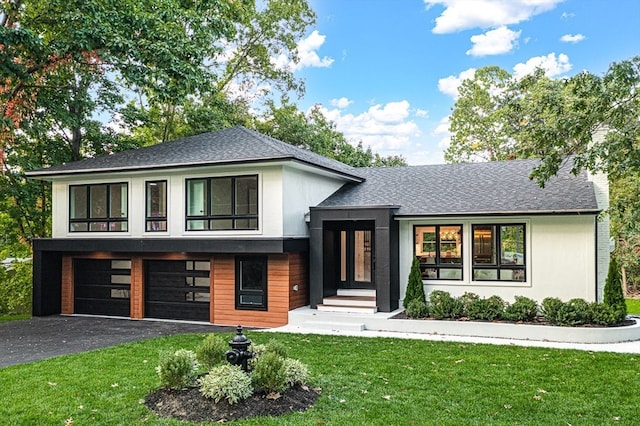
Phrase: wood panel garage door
[102,287]
[177,289]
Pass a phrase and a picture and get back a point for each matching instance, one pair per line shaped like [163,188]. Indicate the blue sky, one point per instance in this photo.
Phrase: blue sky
[386,71]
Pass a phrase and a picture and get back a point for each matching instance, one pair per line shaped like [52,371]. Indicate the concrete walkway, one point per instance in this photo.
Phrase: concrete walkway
[310,321]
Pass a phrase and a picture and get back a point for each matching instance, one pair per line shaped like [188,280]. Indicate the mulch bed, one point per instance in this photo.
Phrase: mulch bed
[189,404]
[540,320]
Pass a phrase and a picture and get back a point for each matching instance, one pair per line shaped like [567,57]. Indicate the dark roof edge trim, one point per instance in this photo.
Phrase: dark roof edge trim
[380,206]
[509,213]
[43,174]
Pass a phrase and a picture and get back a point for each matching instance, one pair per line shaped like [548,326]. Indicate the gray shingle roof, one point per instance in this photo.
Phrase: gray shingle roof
[467,189]
[228,146]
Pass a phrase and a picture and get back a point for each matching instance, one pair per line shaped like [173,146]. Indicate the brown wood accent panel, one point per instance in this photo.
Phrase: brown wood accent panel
[137,288]
[298,275]
[67,286]
[224,311]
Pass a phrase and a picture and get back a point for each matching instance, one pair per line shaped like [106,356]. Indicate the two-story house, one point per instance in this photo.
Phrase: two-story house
[236,227]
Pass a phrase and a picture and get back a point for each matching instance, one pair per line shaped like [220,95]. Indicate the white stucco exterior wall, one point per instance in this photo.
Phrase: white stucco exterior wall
[560,258]
[303,190]
[285,193]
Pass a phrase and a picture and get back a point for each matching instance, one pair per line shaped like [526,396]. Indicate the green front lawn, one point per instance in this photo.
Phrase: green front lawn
[633,306]
[14,317]
[364,381]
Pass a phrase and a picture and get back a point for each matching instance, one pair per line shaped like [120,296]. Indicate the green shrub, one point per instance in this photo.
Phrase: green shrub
[442,305]
[613,294]
[415,287]
[466,299]
[523,309]
[485,309]
[572,313]
[212,351]
[417,309]
[15,288]
[296,372]
[177,369]
[550,307]
[607,315]
[269,372]
[277,348]
[226,381]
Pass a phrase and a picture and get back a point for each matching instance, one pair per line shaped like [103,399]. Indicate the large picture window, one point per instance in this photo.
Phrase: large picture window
[499,252]
[251,282]
[98,208]
[227,203]
[439,250]
[156,206]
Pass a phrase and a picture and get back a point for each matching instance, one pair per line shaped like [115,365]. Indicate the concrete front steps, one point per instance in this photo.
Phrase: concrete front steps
[357,301]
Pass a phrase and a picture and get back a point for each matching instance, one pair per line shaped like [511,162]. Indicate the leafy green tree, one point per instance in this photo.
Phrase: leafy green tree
[415,287]
[555,119]
[316,133]
[478,121]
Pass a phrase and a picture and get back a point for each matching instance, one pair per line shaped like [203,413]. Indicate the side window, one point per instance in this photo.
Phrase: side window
[439,251]
[499,252]
[222,203]
[98,208]
[251,282]
[156,206]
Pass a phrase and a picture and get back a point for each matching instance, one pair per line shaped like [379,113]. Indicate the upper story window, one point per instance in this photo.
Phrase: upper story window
[224,203]
[156,206]
[98,208]
[439,250]
[499,252]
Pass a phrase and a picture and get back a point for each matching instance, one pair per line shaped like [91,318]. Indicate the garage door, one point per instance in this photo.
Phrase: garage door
[102,287]
[177,289]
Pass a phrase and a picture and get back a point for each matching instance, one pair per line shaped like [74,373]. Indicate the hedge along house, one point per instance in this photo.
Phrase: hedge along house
[236,227]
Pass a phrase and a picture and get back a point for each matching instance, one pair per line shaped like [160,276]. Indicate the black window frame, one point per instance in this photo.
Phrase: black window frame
[234,217]
[239,292]
[499,264]
[438,265]
[88,220]
[149,220]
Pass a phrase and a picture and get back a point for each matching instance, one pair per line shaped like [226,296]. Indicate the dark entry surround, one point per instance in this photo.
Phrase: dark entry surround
[326,223]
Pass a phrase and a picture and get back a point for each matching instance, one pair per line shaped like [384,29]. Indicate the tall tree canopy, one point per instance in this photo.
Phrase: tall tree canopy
[500,117]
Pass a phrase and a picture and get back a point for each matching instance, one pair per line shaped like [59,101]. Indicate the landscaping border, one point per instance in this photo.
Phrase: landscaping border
[509,330]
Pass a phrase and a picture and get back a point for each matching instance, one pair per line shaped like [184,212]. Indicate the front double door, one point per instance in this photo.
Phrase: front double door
[355,256]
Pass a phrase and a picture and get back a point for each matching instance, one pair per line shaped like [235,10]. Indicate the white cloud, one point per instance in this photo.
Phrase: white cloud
[449,85]
[422,113]
[460,15]
[566,15]
[551,65]
[307,54]
[387,129]
[572,38]
[341,103]
[494,42]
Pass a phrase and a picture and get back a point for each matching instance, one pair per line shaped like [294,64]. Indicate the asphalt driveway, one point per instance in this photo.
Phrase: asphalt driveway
[45,337]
